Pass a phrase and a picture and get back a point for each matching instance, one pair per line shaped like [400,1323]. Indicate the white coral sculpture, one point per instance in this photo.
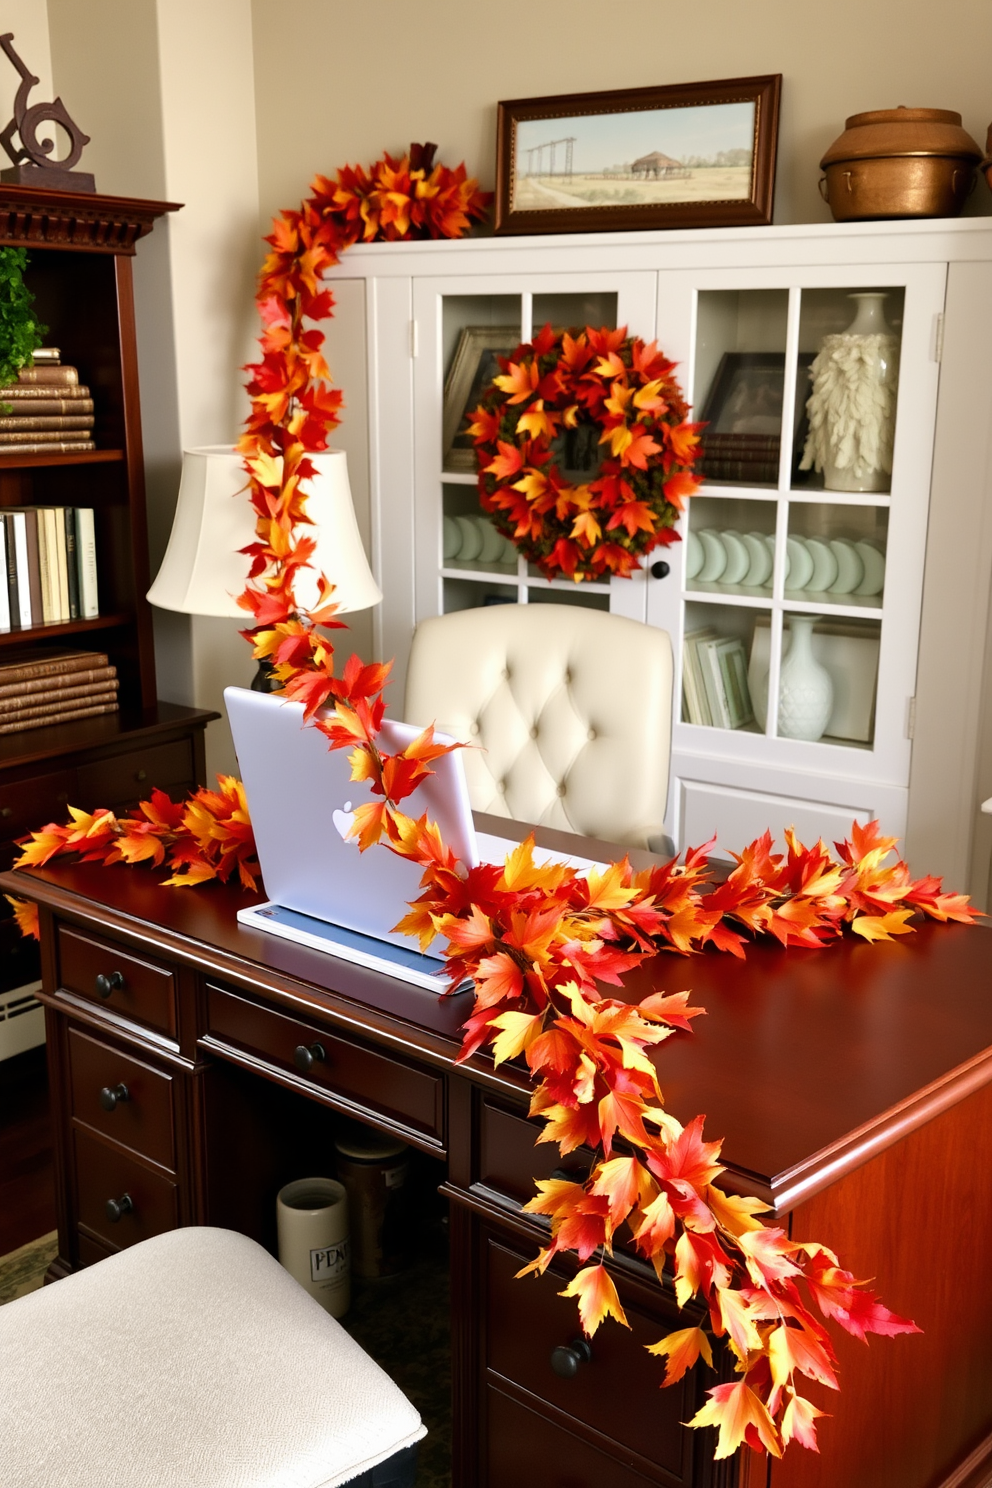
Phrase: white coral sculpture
[852,406]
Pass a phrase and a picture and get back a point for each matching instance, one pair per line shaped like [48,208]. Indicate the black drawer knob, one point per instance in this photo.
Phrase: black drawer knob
[117,1208]
[111,1094]
[107,983]
[305,1058]
[661,569]
[567,1358]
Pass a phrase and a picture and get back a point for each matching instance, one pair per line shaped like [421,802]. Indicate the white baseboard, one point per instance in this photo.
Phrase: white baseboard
[22,1020]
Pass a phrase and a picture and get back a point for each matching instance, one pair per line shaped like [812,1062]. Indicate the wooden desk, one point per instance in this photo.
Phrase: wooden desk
[853,1087]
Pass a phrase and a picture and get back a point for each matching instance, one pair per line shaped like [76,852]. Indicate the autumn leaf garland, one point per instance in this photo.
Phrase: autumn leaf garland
[571,399]
[541,941]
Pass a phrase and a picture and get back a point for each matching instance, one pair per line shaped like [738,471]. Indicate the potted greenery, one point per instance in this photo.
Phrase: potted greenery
[20,330]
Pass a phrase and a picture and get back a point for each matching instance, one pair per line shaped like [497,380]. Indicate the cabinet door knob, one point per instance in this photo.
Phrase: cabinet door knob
[111,1094]
[661,569]
[305,1058]
[567,1358]
[105,984]
[141,774]
[7,811]
[116,1208]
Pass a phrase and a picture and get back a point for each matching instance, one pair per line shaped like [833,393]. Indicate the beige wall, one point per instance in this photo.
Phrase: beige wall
[28,20]
[165,89]
[375,74]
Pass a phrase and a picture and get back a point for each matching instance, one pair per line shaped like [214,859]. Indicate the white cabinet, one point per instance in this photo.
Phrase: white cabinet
[722,303]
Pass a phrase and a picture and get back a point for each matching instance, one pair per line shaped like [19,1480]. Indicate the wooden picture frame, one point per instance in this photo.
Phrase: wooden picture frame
[616,174]
[472,367]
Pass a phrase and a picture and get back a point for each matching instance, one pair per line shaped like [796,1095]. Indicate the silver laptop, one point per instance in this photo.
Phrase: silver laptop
[322,890]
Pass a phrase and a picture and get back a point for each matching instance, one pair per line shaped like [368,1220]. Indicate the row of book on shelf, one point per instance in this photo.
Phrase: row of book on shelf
[48,556]
[47,410]
[55,687]
[714,680]
[751,458]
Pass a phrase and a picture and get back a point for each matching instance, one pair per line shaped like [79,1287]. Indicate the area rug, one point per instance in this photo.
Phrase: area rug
[23,1270]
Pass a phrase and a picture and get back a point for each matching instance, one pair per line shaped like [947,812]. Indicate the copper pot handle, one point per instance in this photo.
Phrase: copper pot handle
[824,189]
[972,183]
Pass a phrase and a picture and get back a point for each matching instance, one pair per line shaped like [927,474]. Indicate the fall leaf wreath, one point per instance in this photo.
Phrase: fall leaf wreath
[585,451]
[540,942]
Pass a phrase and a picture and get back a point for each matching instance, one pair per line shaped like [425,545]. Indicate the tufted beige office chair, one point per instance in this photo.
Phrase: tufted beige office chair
[571,708]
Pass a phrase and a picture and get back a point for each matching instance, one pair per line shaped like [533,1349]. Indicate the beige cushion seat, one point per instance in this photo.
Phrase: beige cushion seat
[192,1360]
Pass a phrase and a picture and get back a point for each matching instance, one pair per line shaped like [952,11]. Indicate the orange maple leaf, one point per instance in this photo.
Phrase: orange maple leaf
[520,381]
[682,1350]
[26,915]
[508,462]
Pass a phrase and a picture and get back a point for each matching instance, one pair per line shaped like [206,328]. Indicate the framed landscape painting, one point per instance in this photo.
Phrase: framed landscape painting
[692,155]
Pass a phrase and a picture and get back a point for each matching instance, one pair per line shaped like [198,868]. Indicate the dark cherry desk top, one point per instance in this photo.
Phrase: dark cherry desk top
[807,1063]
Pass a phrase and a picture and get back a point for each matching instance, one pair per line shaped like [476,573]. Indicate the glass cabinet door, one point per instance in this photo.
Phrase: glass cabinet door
[463,326]
[793,599]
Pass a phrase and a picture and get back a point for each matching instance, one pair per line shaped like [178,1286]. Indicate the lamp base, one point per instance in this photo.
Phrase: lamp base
[265,679]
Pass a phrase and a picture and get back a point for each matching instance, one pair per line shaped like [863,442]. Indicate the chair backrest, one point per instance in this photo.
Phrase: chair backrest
[571,709]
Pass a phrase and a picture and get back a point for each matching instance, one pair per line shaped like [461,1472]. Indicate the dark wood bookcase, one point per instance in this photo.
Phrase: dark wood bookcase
[80,249]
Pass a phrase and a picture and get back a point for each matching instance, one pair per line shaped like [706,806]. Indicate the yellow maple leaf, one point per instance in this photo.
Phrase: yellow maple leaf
[883,927]
[586,529]
[733,1408]
[518,1032]
[597,1297]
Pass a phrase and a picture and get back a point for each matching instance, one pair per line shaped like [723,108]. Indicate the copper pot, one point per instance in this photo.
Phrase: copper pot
[899,163]
[986,164]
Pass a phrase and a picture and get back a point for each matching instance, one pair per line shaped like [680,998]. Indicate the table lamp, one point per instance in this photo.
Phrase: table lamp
[204,571]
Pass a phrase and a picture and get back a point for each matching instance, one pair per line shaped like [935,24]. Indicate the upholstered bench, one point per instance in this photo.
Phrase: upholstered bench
[193,1361]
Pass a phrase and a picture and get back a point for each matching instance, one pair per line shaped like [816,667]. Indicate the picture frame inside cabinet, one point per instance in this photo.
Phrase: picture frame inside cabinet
[473,365]
[687,155]
[745,415]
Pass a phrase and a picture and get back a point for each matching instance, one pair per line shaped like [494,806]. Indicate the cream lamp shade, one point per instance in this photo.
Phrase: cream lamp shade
[203,571]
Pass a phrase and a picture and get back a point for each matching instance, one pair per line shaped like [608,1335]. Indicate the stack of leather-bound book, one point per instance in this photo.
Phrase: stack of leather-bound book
[57,687]
[47,410]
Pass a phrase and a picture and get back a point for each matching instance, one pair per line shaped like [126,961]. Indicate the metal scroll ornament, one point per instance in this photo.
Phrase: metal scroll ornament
[32,162]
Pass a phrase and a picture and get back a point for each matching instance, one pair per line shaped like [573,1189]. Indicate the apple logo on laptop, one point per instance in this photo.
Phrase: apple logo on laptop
[342,821]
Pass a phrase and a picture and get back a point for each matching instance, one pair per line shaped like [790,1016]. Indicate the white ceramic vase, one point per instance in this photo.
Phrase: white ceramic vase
[805,688]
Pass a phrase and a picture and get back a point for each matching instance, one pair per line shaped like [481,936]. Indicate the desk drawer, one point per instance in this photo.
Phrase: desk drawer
[509,1161]
[105,1173]
[124,778]
[140,990]
[616,1392]
[141,1117]
[383,1086]
[26,805]
[524,1447]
